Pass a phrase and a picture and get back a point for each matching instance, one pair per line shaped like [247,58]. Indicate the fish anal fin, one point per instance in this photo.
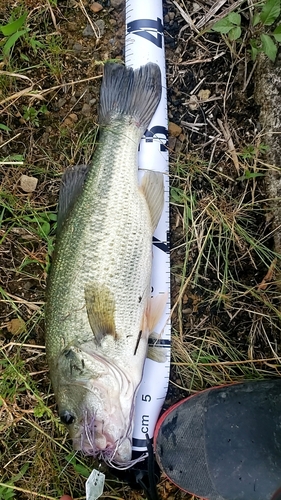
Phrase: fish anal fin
[155,310]
[152,186]
[153,313]
[100,305]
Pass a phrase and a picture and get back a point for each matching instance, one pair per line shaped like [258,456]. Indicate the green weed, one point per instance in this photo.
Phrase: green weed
[32,114]
[33,225]
[259,38]
[11,32]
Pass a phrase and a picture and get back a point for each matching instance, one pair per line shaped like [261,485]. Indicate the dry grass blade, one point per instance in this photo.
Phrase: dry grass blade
[208,20]
[52,15]
[15,75]
[226,133]
[186,17]
[94,27]
[211,13]
[27,92]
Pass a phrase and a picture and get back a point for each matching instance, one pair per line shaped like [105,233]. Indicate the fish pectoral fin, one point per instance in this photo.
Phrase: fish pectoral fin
[100,305]
[152,186]
[155,351]
[71,187]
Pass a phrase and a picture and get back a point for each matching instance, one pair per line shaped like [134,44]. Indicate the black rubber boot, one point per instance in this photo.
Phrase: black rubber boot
[224,443]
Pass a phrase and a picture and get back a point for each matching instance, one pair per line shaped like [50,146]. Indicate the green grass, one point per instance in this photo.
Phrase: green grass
[36,457]
[225,254]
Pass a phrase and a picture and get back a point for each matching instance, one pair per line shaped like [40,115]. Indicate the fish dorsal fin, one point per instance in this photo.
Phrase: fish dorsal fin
[152,186]
[100,305]
[71,186]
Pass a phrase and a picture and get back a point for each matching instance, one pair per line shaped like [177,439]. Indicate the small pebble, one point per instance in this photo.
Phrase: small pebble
[87,97]
[86,109]
[68,122]
[73,117]
[77,47]
[16,326]
[28,184]
[174,129]
[179,146]
[172,143]
[27,285]
[101,26]
[61,102]
[96,7]
[88,31]
[116,3]
[195,7]
[187,311]
[185,298]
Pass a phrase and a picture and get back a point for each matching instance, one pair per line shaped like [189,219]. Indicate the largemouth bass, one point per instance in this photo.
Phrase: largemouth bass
[98,310]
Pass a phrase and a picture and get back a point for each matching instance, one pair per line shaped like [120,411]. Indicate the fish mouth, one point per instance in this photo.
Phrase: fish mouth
[93,439]
[103,406]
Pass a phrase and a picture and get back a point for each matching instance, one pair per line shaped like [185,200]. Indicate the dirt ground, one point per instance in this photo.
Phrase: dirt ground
[225,271]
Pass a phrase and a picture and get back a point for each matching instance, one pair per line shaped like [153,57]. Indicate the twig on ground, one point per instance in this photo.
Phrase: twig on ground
[9,140]
[94,28]
[226,133]
[203,22]
[32,305]
[52,14]
[224,363]
[201,61]
[211,13]
[14,97]
[186,17]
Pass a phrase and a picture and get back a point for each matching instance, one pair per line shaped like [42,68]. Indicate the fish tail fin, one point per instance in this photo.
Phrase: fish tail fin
[130,93]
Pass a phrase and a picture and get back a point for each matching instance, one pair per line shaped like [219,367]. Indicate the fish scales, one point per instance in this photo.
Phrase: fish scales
[98,292]
[107,238]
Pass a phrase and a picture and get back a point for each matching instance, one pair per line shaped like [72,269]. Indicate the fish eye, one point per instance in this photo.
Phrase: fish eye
[66,417]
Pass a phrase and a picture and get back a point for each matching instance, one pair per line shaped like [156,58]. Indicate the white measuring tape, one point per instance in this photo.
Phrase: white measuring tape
[145,43]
